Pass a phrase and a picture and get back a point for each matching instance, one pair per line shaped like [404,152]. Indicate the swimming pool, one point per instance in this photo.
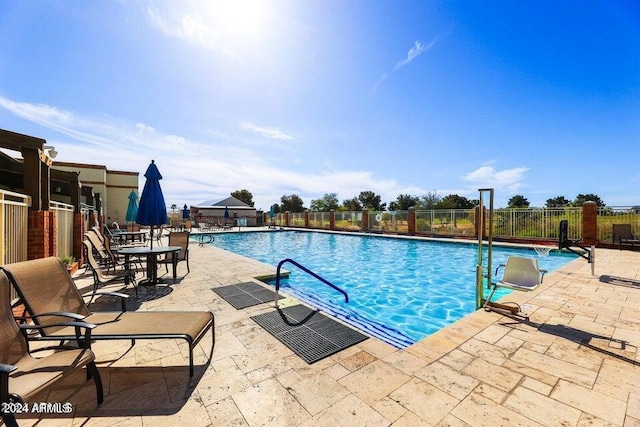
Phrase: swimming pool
[400,290]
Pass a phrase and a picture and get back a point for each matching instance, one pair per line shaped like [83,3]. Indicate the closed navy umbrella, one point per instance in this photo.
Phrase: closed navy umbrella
[185,212]
[132,208]
[152,210]
[226,212]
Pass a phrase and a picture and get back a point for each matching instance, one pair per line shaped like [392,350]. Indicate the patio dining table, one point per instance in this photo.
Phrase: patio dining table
[152,259]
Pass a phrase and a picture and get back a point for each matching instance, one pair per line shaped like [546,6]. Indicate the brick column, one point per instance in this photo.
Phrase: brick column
[53,234]
[365,219]
[40,235]
[306,219]
[411,221]
[332,219]
[78,236]
[590,223]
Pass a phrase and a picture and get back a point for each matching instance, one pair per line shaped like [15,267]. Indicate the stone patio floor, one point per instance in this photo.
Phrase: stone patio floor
[574,363]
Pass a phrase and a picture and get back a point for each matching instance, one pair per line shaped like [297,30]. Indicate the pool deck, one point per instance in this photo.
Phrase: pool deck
[575,362]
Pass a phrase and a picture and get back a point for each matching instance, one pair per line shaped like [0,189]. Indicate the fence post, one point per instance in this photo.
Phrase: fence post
[365,219]
[286,219]
[306,219]
[332,219]
[590,223]
[411,221]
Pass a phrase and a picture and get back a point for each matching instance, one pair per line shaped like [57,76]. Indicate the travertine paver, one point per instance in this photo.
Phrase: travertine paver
[477,410]
[428,402]
[590,401]
[574,362]
[448,379]
[541,408]
[374,381]
[318,392]
[277,406]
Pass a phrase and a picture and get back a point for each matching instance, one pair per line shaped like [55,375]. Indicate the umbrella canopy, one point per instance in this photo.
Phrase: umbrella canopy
[185,212]
[271,213]
[152,210]
[226,212]
[132,208]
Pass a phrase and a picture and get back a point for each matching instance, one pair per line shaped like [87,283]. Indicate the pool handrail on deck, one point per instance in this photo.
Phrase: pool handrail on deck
[306,270]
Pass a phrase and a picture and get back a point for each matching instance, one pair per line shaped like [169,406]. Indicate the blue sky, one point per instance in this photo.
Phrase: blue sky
[536,98]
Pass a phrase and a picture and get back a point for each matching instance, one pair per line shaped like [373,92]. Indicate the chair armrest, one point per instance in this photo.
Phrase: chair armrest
[542,273]
[123,297]
[7,369]
[498,268]
[74,316]
[113,294]
[74,324]
[84,342]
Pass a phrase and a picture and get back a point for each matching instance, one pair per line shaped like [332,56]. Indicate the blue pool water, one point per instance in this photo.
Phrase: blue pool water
[400,290]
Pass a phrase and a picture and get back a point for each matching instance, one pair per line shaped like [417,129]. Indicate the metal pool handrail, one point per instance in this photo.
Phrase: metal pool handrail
[306,270]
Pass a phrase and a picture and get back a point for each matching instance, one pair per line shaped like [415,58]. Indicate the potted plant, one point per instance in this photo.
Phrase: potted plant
[71,263]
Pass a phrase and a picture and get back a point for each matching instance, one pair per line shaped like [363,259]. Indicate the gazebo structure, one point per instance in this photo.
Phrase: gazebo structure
[213,211]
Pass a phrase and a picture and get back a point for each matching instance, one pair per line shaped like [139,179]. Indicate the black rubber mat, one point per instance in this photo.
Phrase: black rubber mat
[245,295]
[311,335]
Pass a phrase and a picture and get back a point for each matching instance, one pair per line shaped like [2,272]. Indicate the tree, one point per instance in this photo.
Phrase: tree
[430,200]
[581,198]
[243,195]
[453,201]
[518,201]
[292,203]
[404,202]
[371,200]
[352,204]
[329,201]
[558,202]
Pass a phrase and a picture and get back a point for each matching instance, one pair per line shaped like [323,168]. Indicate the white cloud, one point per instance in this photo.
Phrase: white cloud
[413,53]
[185,27]
[192,170]
[376,85]
[233,28]
[509,180]
[417,49]
[266,131]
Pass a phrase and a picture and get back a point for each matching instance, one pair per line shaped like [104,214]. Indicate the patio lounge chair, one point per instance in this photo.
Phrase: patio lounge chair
[101,254]
[520,274]
[177,238]
[21,375]
[623,236]
[44,286]
[100,278]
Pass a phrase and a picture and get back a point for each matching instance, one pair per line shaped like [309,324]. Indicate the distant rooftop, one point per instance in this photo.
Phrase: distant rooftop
[230,202]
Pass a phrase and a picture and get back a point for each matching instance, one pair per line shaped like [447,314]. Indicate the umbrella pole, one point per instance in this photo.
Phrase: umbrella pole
[152,237]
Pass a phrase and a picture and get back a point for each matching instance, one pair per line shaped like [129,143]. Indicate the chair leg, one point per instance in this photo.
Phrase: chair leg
[9,420]
[92,371]
[135,286]
[190,359]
